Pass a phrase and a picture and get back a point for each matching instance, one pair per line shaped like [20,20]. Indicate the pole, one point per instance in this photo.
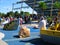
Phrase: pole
[12,6]
[33,6]
[51,8]
[21,6]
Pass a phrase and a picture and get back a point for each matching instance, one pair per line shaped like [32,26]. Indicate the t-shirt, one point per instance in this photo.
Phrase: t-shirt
[42,24]
[20,20]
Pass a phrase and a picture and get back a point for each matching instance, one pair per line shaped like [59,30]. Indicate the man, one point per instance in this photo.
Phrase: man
[42,24]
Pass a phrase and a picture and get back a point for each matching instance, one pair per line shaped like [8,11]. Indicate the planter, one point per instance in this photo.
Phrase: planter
[11,26]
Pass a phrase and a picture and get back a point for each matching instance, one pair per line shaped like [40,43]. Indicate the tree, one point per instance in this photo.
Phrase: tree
[10,13]
[2,14]
[22,14]
[27,13]
[57,5]
[42,6]
[16,14]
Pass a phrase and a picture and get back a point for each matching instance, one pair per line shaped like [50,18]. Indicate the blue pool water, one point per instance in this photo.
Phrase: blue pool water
[11,37]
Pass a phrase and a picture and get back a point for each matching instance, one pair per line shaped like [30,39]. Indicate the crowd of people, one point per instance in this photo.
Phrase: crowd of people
[42,24]
[54,22]
[5,20]
[24,31]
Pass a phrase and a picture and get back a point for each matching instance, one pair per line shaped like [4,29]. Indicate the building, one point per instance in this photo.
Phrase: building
[34,5]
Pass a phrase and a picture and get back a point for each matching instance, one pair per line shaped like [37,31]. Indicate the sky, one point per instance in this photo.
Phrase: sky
[6,6]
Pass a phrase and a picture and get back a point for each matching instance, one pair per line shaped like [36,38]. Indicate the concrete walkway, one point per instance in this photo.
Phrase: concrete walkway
[11,37]
[33,23]
[3,43]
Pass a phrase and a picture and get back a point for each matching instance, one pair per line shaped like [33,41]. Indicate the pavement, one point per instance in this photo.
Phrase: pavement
[33,23]
[3,42]
[11,37]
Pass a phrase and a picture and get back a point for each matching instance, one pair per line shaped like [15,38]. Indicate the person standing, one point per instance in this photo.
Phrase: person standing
[0,20]
[20,20]
[42,24]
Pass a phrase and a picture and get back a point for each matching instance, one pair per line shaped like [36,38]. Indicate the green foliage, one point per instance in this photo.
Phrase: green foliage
[24,13]
[21,13]
[42,5]
[57,4]
[49,18]
[10,13]
[11,26]
[2,14]
[27,14]
[16,14]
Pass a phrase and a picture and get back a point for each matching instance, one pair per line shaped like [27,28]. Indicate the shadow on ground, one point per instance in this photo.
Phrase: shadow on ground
[36,41]
[16,36]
